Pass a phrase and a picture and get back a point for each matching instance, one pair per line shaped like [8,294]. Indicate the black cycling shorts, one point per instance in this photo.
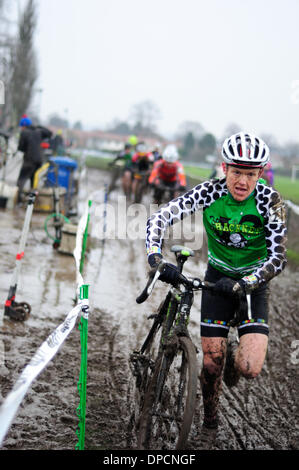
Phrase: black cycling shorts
[217,310]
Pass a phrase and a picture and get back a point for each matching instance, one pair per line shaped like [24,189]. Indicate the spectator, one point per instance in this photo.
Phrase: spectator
[30,141]
[57,144]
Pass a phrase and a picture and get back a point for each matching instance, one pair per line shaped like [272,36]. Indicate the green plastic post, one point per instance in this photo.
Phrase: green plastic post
[83,328]
[81,410]
[85,239]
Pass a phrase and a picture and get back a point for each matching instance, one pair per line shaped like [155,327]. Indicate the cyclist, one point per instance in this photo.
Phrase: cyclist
[126,157]
[133,140]
[245,225]
[167,173]
[142,162]
[157,152]
[268,174]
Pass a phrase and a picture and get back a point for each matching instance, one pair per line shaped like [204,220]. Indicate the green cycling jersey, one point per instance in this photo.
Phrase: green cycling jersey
[235,232]
[244,238]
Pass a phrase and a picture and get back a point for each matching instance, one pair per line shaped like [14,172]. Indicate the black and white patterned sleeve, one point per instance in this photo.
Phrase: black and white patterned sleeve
[273,207]
[197,198]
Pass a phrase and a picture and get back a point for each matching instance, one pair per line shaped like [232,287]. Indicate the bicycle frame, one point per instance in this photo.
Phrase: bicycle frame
[174,311]
[167,375]
[163,193]
[166,371]
[184,302]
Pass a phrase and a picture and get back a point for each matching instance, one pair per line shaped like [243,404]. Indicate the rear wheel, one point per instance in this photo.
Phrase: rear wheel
[170,399]
[115,174]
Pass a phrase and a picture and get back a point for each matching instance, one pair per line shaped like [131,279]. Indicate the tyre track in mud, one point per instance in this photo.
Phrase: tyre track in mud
[261,414]
[267,404]
[117,341]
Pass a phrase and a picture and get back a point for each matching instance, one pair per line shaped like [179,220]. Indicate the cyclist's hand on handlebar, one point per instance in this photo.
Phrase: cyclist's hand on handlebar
[170,273]
[229,286]
[154,259]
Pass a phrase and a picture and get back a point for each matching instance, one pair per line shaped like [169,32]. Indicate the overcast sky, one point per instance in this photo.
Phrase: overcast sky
[212,61]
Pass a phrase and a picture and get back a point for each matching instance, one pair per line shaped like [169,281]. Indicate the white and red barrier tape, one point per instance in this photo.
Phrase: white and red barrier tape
[47,350]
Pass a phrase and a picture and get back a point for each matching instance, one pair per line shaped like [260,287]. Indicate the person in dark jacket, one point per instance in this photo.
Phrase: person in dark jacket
[30,141]
[57,144]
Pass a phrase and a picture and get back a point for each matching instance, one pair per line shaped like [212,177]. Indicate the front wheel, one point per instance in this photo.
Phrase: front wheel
[138,192]
[170,399]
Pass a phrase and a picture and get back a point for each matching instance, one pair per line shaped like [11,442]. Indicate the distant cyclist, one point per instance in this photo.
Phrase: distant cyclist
[133,140]
[122,168]
[246,230]
[142,162]
[168,174]
[157,152]
[126,178]
[142,158]
[268,174]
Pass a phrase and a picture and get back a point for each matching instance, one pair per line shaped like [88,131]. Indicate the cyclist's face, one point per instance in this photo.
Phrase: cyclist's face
[241,182]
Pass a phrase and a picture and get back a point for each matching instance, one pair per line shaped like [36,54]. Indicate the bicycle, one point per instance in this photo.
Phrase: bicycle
[167,375]
[140,185]
[163,193]
[116,168]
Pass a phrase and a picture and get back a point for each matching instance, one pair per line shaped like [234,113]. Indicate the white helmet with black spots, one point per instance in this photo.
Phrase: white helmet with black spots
[245,149]
[170,154]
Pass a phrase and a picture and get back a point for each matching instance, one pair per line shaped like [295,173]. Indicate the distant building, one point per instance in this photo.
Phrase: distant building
[104,141]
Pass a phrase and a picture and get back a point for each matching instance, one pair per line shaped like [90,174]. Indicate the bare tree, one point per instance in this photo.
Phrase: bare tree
[2,9]
[144,115]
[271,141]
[190,127]
[6,46]
[24,63]
[57,121]
[231,129]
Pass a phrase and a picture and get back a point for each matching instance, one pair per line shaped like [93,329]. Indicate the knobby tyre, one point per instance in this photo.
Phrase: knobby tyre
[114,177]
[143,364]
[138,192]
[170,400]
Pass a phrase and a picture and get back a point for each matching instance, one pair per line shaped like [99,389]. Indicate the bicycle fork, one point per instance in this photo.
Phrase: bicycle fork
[184,312]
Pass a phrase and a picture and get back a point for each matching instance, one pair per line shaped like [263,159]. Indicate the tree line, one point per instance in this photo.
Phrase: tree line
[19,74]
[18,62]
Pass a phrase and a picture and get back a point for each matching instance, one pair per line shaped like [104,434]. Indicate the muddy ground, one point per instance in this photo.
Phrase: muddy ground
[260,414]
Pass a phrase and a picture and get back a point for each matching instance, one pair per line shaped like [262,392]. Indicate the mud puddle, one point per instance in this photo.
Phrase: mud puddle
[261,414]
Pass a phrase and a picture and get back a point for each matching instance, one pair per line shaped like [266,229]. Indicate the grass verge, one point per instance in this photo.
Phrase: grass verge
[293,258]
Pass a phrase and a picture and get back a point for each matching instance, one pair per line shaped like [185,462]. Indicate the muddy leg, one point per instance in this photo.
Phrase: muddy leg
[135,184]
[126,183]
[214,350]
[251,354]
